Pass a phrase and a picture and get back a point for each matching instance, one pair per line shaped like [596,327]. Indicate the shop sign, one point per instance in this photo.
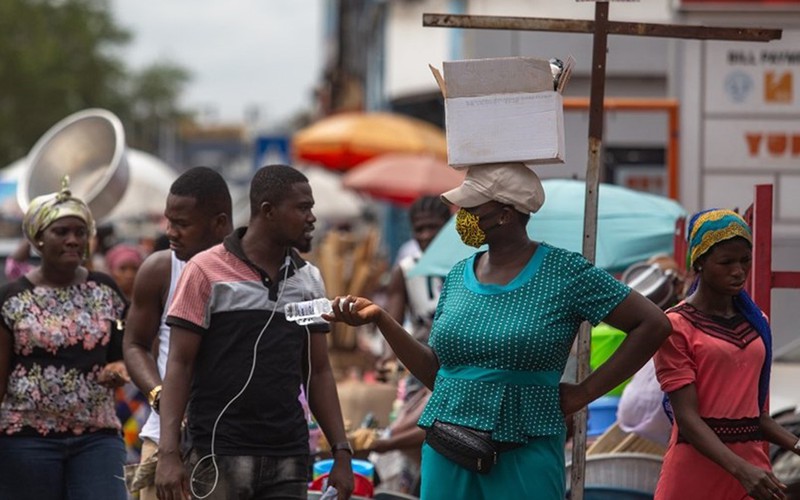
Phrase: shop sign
[753,77]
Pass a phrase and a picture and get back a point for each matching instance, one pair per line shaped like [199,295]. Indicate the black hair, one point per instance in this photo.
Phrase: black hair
[430,205]
[273,184]
[207,186]
[105,238]
[161,243]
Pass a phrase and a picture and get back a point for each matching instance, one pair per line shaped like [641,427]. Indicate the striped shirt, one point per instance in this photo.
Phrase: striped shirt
[229,301]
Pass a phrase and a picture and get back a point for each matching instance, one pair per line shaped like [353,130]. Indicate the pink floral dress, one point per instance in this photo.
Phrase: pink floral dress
[63,337]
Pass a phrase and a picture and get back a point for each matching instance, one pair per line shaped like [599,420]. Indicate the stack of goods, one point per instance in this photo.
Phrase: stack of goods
[350,264]
[361,439]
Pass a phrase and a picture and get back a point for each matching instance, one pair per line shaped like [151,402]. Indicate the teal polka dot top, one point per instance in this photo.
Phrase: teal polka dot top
[527,325]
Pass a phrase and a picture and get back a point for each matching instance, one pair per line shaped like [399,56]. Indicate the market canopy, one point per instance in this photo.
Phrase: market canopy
[631,226]
[145,196]
[137,213]
[402,178]
[344,140]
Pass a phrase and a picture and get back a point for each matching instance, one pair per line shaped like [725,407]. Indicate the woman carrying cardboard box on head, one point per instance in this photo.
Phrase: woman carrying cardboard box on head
[501,335]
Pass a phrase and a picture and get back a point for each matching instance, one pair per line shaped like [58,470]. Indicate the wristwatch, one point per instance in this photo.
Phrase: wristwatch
[154,397]
[345,446]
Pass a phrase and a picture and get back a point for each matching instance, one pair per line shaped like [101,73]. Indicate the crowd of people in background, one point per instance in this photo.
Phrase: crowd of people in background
[412,299]
[176,374]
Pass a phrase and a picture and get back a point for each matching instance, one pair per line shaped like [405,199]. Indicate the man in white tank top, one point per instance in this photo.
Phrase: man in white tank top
[414,297]
[417,296]
[198,213]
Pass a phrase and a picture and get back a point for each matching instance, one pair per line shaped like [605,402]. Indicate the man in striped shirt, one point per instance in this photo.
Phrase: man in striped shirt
[239,363]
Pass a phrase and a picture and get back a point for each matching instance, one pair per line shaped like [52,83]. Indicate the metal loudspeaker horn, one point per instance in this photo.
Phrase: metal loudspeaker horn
[89,146]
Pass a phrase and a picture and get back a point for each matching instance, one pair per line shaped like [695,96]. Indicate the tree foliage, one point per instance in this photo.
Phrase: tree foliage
[61,56]
[154,95]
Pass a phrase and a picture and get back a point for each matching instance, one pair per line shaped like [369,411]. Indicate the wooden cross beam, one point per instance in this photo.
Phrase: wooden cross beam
[587,26]
[600,28]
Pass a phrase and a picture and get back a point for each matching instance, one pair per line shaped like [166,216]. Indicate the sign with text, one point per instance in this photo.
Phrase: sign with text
[753,77]
[751,145]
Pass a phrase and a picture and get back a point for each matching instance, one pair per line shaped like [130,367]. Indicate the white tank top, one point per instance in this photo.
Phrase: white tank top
[423,296]
[151,428]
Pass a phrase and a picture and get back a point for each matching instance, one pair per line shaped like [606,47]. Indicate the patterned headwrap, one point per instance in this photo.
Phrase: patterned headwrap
[48,208]
[708,228]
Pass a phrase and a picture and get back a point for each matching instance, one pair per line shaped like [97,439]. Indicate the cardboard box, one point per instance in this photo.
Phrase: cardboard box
[502,109]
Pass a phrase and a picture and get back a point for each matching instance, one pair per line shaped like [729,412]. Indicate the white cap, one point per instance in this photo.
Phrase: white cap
[509,183]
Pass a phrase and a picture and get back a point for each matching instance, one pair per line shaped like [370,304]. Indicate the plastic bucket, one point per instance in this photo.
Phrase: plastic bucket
[362,487]
[592,492]
[602,415]
[362,467]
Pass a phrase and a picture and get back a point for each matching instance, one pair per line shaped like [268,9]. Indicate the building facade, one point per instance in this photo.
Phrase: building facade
[739,103]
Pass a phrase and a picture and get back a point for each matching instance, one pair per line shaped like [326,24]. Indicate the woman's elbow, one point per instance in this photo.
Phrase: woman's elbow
[653,328]
[661,328]
[664,327]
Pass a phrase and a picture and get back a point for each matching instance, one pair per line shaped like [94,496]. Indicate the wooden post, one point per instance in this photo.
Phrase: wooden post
[600,28]
[763,279]
[761,275]
[584,340]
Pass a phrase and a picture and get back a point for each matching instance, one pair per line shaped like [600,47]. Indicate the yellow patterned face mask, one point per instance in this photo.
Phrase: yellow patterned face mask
[468,229]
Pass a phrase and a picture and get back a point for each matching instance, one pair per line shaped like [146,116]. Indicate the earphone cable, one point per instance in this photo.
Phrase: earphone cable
[212,455]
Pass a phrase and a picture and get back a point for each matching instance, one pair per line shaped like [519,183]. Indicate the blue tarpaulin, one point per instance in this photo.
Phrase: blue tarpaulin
[631,227]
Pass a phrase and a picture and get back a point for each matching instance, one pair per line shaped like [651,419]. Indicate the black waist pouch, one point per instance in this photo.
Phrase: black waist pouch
[470,448]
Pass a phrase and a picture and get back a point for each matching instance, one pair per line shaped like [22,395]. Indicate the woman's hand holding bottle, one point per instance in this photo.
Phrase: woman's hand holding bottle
[354,311]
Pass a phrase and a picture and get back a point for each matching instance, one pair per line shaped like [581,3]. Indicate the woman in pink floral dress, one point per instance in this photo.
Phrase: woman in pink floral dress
[60,358]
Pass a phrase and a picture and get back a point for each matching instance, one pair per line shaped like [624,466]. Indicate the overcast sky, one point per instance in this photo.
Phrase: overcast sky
[241,53]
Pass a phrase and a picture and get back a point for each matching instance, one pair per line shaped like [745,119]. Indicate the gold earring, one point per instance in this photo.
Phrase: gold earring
[40,244]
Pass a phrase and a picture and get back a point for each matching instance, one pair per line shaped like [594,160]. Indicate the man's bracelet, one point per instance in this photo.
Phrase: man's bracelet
[154,397]
[344,446]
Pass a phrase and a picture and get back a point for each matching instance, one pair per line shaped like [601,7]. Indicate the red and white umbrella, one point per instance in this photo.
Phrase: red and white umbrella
[402,178]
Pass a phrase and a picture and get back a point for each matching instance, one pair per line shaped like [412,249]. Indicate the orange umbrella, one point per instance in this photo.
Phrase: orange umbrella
[402,178]
[344,140]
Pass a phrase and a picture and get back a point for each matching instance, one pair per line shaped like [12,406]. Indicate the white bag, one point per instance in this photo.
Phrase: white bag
[640,409]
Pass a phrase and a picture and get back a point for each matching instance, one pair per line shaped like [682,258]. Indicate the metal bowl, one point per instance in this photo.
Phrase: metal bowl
[651,281]
[89,146]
